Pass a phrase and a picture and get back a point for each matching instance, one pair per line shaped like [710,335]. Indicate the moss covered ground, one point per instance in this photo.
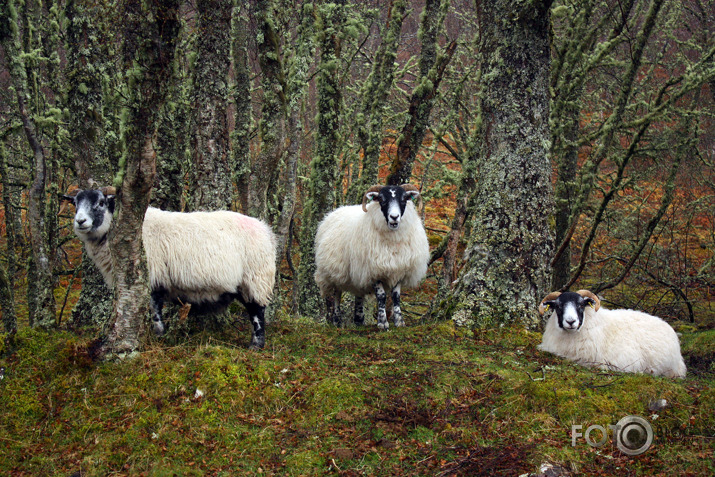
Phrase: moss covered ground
[422,400]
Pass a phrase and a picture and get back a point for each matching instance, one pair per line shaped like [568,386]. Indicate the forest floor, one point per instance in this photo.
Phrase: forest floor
[421,400]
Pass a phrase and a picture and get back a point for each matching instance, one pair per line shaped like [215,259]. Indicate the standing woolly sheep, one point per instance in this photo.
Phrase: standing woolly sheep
[364,249]
[203,258]
[580,330]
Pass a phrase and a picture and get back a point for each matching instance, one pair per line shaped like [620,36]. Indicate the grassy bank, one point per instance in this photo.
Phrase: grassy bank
[422,400]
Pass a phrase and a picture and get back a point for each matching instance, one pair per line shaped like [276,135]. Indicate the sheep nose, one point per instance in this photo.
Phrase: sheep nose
[570,322]
[394,217]
[81,221]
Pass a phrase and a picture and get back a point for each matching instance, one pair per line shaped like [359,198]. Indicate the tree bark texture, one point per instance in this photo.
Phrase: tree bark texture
[507,270]
[241,134]
[41,301]
[212,183]
[85,58]
[271,127]
[324,166]
[150,33]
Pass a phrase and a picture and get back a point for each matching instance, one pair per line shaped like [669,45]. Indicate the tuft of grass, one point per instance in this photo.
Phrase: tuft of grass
[421,400]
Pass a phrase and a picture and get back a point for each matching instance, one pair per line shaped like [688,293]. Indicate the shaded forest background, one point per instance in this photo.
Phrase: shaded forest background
[285,110]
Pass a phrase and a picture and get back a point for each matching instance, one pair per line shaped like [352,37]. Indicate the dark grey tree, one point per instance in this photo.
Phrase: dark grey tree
[510,244]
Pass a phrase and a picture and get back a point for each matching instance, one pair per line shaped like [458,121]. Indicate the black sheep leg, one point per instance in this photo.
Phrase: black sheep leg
[359,316]
[381,300]
[157,303]
[256,313]
[396,310]
[332,303]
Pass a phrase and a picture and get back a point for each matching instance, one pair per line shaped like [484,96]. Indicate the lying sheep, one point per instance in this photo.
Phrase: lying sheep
[203,258]
[365,249]
[581,330]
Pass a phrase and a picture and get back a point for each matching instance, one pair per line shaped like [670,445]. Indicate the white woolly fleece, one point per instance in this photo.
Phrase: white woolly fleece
[355,249]
[619,340]
[199,256]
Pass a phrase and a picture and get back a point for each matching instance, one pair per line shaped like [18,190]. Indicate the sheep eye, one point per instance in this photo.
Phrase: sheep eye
[101,203]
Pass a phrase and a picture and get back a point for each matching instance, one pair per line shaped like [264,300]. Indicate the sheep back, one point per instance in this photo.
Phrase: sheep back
[620,340]
[354,249]
[199,256]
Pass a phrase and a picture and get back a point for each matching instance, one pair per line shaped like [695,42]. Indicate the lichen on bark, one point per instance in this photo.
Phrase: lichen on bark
[507,267]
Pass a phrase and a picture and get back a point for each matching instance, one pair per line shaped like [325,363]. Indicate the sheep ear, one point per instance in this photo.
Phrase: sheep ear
[590,298]
[68,198]
[110,203]
[545,307]
[370,195]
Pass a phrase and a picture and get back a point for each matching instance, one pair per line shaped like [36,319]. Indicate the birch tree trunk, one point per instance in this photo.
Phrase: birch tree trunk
[507,269]
[150,33]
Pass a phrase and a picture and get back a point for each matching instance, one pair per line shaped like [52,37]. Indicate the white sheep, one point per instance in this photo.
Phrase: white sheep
[580,330]
[365,249]
[203,258]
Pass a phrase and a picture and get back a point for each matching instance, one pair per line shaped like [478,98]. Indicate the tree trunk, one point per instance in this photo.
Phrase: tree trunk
[324,166]
[84,96]
[241,134]
[374,95]
[507,270]
[7,292]
[432,68]
[150,33]
[271,127]
[212,176]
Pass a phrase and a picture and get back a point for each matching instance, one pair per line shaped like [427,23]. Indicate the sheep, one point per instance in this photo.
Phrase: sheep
[368,248]
[207,259]
[580,330]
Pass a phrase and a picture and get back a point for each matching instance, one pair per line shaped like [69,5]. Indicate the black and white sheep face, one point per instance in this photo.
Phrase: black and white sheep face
[393,200]
[93,215]
[569,308]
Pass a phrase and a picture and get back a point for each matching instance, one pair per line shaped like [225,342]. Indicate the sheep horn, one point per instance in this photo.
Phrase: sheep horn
[588,294]
[108,190]
[411,188]
[549,297]
[375,188]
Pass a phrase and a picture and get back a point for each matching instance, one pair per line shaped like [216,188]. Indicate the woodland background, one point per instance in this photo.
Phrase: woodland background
[557,145]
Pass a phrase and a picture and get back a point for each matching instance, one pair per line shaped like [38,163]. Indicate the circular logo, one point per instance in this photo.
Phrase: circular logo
[634,435]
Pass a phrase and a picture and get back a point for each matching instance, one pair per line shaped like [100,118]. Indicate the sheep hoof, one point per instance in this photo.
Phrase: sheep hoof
[257,343]
[383,326]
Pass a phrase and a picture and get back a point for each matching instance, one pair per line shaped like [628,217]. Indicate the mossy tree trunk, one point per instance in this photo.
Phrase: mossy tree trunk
[271,126]
[212,184]
[150,31]
[41,301]
[7,291]
[86,57]
[507,270]
[241,134]
[297,74]
[432,65]
[375,91]
[322,184]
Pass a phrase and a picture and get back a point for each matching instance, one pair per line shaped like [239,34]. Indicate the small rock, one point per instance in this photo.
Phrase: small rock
[657,405]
